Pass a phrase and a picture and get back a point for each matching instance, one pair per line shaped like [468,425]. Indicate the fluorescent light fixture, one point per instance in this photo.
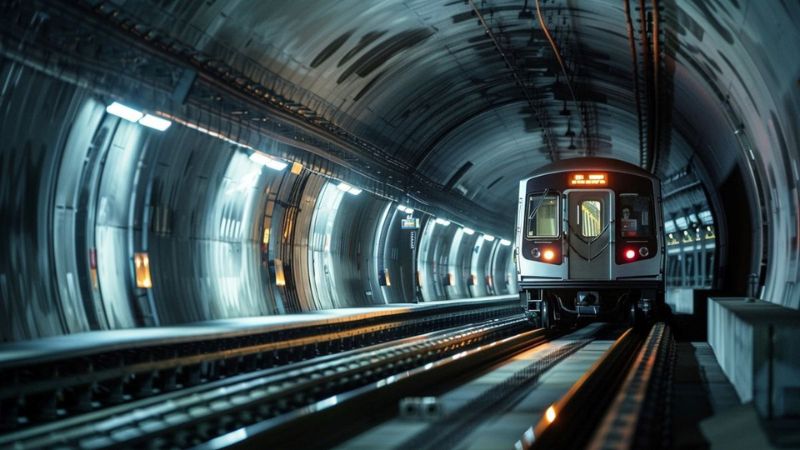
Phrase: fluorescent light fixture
[264,160]
[274,164]
[154,122]
[681,222]
[405,209]
[505,242]
[468,231]
[441,221]
[488,237]
[125,112]
[344,187]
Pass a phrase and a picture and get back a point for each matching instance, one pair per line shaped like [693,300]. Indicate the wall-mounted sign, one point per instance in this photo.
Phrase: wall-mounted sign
[411,223]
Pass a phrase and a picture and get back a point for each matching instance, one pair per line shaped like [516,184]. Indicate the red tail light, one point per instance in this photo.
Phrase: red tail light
[630,254]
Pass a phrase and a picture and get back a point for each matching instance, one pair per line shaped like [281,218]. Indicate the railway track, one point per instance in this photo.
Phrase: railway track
[598,387]
[43,386]
[278,401]
[619,403]
[338,394]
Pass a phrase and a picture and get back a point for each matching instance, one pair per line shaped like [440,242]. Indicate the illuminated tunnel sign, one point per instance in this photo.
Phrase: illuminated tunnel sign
[588,179]
[409,224]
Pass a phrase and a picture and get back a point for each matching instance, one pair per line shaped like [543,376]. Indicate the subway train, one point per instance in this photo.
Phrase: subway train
[589,243]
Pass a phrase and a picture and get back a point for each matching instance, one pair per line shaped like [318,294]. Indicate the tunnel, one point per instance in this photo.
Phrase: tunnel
[166,163]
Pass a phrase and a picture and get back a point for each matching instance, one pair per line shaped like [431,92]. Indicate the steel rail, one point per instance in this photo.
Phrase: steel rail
[567,424]
[628,422]
[447,432]
[376,400]
[186,418]
[78,383]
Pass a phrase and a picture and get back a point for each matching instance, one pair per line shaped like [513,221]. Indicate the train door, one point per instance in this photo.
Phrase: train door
[589,233]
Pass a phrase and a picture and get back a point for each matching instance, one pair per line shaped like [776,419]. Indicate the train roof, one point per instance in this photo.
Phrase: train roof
[591,163]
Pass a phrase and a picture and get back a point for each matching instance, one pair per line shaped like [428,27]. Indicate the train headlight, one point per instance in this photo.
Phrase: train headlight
[548,255]
[644,251]
[536,253]
[630,254]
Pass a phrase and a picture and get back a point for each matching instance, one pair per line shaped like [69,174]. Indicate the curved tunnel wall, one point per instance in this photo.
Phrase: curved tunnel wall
[344,269]
[34,130]
[395,257]
[458,265]
[93,196]
[725,69]
[452,264]
[88,191]
[434,244]
[736,96]
[204,241]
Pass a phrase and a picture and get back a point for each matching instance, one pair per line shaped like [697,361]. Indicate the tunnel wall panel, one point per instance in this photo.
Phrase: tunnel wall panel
[206,251]
[37,115]
[736,55]
[354,265]
[480,258]
[397,257]
[458,264]
[295,254]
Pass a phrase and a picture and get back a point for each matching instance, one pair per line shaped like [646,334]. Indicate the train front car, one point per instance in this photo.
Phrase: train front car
[590,242]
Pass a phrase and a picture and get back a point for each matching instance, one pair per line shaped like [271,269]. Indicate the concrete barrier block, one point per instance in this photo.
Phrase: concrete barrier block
[757,345]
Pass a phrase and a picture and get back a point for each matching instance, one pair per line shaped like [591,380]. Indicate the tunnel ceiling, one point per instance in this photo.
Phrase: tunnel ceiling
[470,94]
[467,94]
[468,97]
[443,105]
[465,98]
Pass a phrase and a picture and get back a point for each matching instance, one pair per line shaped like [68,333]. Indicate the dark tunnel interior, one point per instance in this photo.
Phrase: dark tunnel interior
[297,129]
[399,224]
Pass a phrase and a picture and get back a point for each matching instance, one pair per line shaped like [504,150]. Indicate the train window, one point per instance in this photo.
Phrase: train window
[634,216]
[542,216]
[591,218]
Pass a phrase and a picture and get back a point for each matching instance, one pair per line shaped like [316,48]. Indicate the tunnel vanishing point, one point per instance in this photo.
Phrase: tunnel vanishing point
[169,165]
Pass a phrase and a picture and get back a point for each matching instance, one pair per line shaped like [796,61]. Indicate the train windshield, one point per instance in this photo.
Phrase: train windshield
[591,217]
[634,216]
[542,216]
